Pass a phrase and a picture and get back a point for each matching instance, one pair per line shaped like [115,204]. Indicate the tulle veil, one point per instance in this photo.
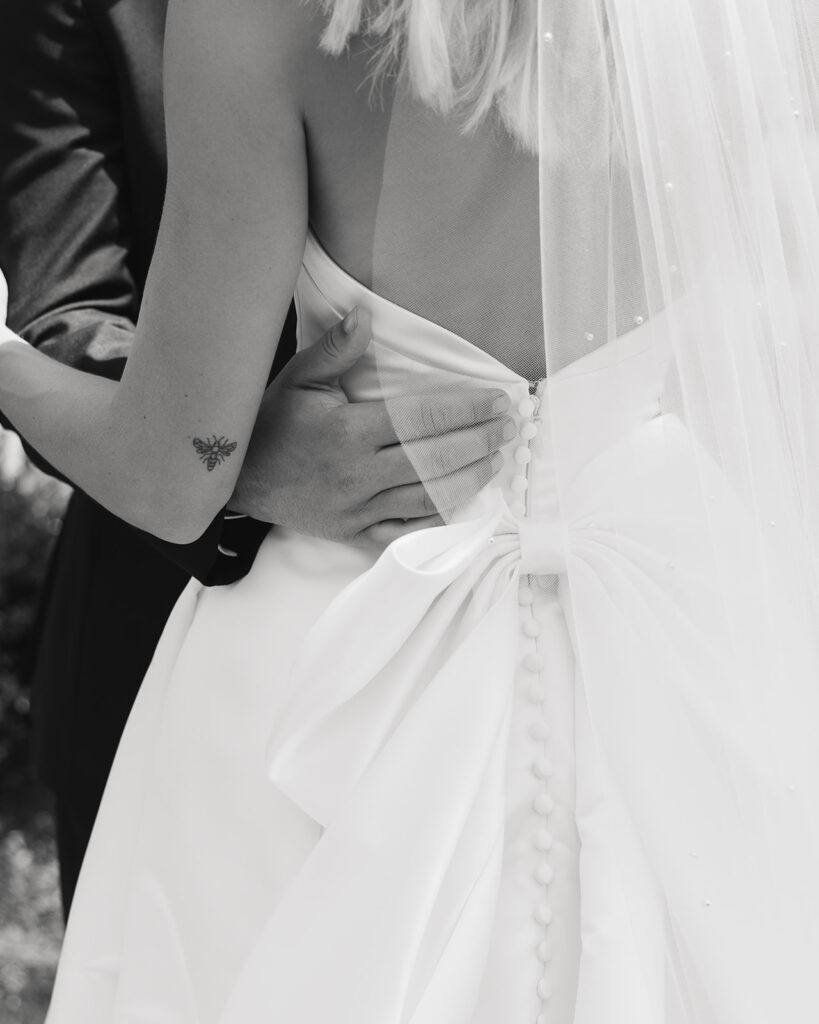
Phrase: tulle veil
[679,163]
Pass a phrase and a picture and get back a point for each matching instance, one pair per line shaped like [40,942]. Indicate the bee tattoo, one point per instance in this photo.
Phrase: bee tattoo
[213,450]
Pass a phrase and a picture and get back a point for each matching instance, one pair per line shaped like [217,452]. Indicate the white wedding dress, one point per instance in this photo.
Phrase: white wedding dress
[368,790]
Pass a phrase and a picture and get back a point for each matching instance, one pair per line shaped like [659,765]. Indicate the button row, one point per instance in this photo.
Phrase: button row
[532,664]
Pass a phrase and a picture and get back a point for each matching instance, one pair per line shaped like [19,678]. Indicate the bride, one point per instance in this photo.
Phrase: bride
[555,760]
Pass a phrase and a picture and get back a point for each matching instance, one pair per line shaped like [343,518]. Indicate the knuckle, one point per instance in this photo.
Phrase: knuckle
[346,438]
[435,417]
[426,418]
[437,462]
[491,440]
[367,513]
[349,484]
[331,341]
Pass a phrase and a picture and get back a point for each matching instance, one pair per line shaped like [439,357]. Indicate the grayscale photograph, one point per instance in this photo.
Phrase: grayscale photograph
[409,511]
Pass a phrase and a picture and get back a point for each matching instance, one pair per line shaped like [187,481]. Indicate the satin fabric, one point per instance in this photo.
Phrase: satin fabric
[324,804]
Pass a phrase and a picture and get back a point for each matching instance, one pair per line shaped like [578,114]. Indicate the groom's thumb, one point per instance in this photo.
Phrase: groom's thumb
[340,348]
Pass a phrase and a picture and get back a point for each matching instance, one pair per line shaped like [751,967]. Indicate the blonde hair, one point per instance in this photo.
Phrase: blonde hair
[463,56]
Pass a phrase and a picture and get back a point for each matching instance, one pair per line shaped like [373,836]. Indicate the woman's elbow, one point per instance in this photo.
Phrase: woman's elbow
[177,516]
[173,531]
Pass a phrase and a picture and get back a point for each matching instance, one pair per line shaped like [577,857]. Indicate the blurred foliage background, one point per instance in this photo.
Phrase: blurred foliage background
[31,505]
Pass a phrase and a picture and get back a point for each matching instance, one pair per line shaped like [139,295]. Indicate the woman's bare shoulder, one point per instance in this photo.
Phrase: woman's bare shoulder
[269,41]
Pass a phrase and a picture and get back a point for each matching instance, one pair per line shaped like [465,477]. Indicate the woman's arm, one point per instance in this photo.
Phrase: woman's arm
[163,448]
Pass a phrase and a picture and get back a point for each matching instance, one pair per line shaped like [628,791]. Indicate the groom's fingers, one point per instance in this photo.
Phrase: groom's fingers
[411,417]
[418,506]
[335,353]
[441,495]
[432,457]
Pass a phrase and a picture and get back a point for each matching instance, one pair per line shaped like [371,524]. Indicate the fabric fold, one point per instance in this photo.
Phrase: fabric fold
[395,742]
[352,685]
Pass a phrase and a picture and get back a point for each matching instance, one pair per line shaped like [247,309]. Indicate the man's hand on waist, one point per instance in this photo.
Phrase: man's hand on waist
[327,467]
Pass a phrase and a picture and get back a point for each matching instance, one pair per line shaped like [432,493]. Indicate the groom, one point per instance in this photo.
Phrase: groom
[82,172]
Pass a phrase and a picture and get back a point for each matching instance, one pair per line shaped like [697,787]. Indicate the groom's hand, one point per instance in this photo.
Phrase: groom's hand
[330,468]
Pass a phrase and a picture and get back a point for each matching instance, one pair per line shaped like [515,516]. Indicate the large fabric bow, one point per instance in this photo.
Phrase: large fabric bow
[395,742]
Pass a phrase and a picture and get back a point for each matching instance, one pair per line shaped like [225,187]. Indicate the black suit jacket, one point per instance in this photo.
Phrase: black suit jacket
[82,175]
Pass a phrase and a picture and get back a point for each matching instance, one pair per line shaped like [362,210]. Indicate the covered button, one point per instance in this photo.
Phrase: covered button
[543,914]
[544,989]
[544,804]
[544,874]
[544,951]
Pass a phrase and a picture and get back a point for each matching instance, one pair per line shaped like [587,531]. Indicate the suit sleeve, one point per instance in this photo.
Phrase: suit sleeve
[65,239]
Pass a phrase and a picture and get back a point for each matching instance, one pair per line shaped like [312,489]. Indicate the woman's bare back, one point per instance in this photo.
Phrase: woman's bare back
[440,222]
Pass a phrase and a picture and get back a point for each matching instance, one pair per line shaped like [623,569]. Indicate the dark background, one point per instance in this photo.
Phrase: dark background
[30,913]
